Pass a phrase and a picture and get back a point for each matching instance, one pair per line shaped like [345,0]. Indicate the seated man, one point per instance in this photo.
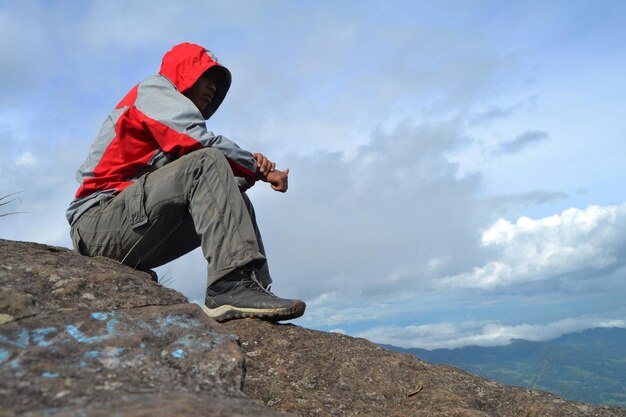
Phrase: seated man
[157,184]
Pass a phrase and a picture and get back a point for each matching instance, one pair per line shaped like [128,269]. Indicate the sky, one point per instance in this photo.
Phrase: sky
[456,167]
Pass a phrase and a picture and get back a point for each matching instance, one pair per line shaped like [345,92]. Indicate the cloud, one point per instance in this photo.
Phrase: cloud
[26,158]
[577,244]
[378,216]
[514,202]
[522,141]
[453,335]
[494,113]
[533,197]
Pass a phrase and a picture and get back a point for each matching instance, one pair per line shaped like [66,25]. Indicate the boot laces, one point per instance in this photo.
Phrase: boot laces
[251,281]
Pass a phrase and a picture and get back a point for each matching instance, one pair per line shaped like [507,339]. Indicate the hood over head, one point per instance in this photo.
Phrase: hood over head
[186,62]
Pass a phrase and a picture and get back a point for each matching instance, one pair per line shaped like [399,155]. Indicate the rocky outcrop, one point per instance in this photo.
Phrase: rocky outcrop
[324,374]
[89,337]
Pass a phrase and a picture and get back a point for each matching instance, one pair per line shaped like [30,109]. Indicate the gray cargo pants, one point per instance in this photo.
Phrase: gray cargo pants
[191,202]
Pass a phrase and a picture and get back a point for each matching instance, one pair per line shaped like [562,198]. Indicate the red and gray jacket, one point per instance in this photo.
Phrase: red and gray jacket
[154,125]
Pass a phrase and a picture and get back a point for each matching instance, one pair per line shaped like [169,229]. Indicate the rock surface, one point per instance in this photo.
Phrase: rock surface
[90,337]
[326,374]
[39,279]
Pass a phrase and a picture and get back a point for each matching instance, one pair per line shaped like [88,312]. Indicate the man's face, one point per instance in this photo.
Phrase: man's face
[202,92]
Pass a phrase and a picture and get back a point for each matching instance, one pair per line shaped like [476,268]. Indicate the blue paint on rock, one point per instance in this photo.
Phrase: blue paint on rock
[192,341]
[114,352]
[82,338]
[93,354]
[39,336]
[177,320]
[100,315]
[178,353]
[21,339]
[4,355]
[50,374]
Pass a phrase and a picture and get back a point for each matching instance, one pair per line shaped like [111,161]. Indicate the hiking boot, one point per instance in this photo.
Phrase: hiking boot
[240,294]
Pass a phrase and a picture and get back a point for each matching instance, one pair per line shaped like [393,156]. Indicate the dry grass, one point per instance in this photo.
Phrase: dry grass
[5,199]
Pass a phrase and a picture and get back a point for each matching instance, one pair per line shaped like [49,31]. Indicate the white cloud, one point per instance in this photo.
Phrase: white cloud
[576,241]
[452,335]
[26,158]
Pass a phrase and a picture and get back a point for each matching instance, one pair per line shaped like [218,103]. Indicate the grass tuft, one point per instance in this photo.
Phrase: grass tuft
[4,203]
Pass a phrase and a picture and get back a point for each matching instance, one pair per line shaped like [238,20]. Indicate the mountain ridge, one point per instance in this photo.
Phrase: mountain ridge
[588,366]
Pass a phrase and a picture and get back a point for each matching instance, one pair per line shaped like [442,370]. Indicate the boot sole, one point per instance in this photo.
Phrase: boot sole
[227,312]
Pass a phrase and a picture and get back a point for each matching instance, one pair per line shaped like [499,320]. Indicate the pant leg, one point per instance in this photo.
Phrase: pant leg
[264,271]
[150,222]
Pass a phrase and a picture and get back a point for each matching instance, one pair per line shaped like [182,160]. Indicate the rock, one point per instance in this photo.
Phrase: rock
[326,374]
[37,278]
[101,355]
[164,405]
[90,337]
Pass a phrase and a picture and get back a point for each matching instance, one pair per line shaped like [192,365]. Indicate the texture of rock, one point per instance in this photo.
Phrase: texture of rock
[88,337]
[325,374]
[37,279]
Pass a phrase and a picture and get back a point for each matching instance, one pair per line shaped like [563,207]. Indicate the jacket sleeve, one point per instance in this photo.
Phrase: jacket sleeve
[179,128]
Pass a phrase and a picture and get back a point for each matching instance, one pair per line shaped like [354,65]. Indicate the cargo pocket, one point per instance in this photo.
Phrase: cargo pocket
[97,231]
[135,203]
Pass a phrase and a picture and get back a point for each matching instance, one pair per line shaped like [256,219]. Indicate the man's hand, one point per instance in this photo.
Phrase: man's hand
[269,173]
[265,165]
[277,179]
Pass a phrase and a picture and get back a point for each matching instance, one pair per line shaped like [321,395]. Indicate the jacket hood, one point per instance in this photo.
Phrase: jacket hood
[186,62]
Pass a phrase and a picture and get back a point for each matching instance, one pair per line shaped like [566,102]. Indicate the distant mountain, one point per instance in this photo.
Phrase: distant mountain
[589,366]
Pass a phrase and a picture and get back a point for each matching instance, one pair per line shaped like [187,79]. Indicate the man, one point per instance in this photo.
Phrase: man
[157,184]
